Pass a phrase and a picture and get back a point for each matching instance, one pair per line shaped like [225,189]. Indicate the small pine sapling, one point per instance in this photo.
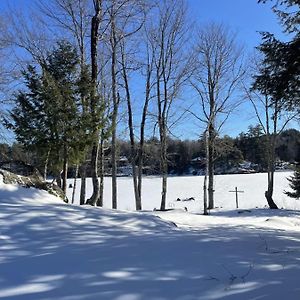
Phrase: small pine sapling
[294,184]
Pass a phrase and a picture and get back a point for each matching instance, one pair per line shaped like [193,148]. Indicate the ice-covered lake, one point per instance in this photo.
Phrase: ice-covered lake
[252,185]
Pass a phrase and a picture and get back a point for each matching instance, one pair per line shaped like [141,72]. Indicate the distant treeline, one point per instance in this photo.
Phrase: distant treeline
[230,152]
[184,156]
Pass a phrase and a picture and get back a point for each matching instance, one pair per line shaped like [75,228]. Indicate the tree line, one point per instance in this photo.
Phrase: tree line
[185,157]
[83,61]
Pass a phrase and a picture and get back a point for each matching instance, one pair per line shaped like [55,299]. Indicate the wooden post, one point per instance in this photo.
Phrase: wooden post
[236,191]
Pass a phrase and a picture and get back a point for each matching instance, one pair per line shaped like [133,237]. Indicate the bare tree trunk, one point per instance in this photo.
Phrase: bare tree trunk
[210,161]
[269,193]
[140,167]
[95,180]
[138,203]
[141,151]
[83,183]
[94,64]
[271,171]
[58,179]
[65,174]
[75,183]
[205,212]
[114,170]
[46,164]
[164,165]
[164,176]
[101,167]
[271,139]
[115,98]
[142,129]
[163,142]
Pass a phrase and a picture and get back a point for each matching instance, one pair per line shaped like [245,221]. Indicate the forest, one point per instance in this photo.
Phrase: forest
[186,157]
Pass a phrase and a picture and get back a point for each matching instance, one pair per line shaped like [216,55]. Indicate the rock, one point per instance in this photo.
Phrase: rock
[34,180]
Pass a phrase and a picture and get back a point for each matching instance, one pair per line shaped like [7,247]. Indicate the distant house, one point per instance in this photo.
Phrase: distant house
[124,167]
[247,167]
[197,165]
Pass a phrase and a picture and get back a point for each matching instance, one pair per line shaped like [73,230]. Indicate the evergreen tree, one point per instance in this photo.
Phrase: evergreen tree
[282,59]
[253,145]
[294,184]
[278,79]
[48,116]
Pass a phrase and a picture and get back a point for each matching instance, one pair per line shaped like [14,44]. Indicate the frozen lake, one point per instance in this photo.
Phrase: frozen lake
[253,185]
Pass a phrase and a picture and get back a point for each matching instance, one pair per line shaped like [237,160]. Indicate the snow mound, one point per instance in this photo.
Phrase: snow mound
[283,223]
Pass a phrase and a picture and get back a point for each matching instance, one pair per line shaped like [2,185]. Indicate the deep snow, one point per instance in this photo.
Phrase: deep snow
[51,250]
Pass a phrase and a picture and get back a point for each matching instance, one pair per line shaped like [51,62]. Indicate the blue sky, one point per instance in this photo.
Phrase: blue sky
[246,17]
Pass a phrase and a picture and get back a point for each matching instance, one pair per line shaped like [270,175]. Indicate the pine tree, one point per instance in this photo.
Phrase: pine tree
[294,184]
[282,59]
[48,116]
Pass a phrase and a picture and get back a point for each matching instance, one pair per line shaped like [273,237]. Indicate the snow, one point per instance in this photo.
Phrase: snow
[53,251]
[253,185]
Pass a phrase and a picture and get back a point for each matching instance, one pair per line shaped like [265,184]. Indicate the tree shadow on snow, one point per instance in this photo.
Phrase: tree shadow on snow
[69,253]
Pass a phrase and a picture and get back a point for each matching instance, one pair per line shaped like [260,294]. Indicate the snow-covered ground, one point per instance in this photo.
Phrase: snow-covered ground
[253,185]
[53,251]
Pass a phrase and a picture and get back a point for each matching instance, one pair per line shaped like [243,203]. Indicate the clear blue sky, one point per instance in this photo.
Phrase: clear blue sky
[246,17]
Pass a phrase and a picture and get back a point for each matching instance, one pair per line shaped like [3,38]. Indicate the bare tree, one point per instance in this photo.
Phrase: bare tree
[104,90]
[125,19]
[149,84]
[169,42]
[129,46]
[273,120]
[95,24]
[68,17]
[218,74]
[28,36]
[115,96]
[125,67]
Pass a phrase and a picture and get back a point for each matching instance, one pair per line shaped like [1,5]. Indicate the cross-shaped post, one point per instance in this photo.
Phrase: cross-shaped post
[236,191]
